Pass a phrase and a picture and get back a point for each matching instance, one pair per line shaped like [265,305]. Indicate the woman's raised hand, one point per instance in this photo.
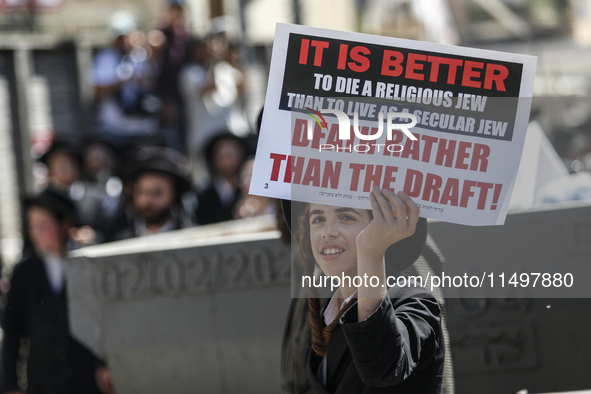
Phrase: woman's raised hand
[387,226]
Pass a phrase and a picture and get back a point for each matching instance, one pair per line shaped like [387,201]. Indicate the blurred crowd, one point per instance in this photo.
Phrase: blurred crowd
[170,145]
[165,86]
[153,190]
[169,148]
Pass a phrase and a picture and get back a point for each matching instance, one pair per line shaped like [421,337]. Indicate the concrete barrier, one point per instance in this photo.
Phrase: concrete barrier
[511,340]
[197,310]
[203,309]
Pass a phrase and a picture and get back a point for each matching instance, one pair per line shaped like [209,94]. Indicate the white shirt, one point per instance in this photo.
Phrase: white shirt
[209,113]
[332,310]
[330,313]
[202,124]
[106,71]
[225,191]
[54,266]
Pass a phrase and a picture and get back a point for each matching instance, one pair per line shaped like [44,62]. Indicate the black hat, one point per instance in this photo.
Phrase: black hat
[99,139]
[58,203]
[159,159]
[403,253]
[67,145]
[208,151]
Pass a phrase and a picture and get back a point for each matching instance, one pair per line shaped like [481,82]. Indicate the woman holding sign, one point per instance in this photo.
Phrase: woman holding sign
[368,339]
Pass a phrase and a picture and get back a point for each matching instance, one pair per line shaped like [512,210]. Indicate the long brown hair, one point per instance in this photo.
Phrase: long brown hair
[320,332]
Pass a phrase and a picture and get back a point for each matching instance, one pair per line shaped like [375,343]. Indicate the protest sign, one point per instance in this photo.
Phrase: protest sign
[347,111]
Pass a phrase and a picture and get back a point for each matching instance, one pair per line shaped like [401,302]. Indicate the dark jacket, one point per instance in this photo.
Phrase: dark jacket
[57,363]
[398,349]
[211,210]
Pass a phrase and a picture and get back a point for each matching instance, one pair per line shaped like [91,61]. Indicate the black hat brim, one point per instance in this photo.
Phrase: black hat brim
[132,171]
[159,160]
[182,184]
[71,147]
[54,201]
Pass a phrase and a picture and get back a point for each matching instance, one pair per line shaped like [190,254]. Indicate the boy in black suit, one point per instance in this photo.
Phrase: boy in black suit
[37,308]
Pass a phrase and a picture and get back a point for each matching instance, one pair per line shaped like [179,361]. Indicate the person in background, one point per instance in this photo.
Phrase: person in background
[97,194]
[64,164]
[63,161]
[123,79]
[36,308]
[228,95]
[174,30]
[195,82]
[211,88]
[224,155]
[100,160]
[158,178]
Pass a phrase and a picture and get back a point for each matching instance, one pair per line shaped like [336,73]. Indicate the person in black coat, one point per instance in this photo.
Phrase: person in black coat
[398,349]
[158,178]
[366,338]
[224,155]
[37,309]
